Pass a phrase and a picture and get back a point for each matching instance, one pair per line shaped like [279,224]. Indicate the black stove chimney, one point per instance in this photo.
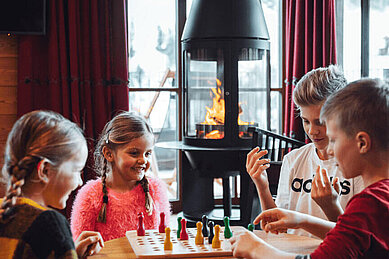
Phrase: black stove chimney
[225,19]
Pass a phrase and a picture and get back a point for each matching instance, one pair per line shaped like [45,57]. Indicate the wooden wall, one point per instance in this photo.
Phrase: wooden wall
[8,87]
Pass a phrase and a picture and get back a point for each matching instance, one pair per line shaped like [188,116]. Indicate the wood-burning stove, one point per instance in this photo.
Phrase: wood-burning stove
[226,89]
[226,72]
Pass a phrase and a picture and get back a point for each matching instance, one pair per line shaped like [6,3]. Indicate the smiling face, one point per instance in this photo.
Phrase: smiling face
[316,131]
[345,149]
[131,161]
[65,179]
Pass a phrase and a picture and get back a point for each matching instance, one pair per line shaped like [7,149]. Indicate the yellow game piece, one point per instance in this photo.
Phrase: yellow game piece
[167,245]
[199,239]
[216,240]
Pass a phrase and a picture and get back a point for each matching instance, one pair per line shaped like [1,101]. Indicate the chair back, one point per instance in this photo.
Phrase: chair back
[277,145]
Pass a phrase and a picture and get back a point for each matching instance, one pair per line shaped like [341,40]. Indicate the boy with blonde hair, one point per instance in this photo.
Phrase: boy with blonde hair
[357,119]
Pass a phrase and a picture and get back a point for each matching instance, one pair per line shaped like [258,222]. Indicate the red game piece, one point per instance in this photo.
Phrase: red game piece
[141,227]
[162,225]
[183,234]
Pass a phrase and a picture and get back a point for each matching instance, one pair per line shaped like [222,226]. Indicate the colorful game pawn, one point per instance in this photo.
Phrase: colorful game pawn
[216,239]
[210,237]
[250,227]
[204,219]
[167,244]
[141,227]
[183,234]
[199,239]
[227,228]
[179,227]
[162,225]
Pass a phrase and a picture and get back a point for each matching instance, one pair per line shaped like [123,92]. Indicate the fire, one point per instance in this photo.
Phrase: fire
[216,114]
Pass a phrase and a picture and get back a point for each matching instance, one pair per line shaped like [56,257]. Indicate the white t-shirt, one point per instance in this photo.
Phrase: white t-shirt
[294,186]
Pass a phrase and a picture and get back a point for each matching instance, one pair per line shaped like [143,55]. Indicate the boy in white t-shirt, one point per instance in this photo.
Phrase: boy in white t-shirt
[325,195]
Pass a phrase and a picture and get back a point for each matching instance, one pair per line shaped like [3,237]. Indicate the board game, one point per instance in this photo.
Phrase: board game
[152,244]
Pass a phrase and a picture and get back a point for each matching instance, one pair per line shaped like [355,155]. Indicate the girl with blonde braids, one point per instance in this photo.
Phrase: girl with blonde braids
[111,203]
[44,156]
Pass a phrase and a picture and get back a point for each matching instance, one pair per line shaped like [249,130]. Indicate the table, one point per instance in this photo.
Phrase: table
[120,248]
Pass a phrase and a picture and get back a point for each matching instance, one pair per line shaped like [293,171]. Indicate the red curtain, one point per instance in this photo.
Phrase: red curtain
[79,68]
[309,43]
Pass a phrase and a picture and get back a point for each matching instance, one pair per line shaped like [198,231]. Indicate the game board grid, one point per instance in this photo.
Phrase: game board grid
[152,245]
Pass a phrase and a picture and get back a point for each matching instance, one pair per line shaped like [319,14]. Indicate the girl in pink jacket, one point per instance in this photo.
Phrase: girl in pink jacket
[111,204]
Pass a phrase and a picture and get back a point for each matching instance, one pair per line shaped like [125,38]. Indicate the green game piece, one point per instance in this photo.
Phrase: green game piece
[227,228]
[179,227]
[250,227]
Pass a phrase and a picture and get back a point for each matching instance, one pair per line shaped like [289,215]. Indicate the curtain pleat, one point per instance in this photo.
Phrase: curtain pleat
[310,43]
[79,68]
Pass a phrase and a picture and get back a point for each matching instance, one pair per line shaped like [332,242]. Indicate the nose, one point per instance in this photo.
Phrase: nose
[313,129]
[142,160]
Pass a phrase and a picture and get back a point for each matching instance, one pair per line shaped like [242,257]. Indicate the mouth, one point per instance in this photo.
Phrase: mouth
[317,139]
[139,169]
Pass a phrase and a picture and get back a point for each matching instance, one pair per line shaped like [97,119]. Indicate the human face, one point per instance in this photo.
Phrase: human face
[132,160]
[345,150]
[316,131]
[65,179]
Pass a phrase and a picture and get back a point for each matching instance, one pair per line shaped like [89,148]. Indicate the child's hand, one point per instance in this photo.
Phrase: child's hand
[323,192]
[88,243]
[278,220]
[248,245]
[257,168]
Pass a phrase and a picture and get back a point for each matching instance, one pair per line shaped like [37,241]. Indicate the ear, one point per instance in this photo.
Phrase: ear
[43,171]
[363,141]
[107,152]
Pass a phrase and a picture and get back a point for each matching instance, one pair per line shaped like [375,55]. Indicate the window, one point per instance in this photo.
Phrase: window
[153,90]
[153,28]
[363,38]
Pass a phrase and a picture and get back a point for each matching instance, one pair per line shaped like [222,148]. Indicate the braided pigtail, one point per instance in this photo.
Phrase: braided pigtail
[149,203]
[103,212]
[17,175]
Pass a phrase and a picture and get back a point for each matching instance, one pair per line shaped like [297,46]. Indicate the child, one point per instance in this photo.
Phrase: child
[297,189]
[111,204]
[357,119]
[44,156]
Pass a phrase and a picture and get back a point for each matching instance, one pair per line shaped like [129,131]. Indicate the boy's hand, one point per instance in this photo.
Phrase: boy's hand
[248,245]
[88,243]
[278,220]
[326,194]
[256,167]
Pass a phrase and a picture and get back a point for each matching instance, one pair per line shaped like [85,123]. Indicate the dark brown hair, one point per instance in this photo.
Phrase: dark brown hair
[36,136]
[362,105]
[121,130]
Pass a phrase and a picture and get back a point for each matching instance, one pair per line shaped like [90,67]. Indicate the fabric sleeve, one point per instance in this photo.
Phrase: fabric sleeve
[159,194]
[86,208]
[360,228]
[50,232]
[283,191]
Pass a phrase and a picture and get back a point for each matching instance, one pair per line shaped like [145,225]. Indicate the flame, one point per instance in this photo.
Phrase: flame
[216,114]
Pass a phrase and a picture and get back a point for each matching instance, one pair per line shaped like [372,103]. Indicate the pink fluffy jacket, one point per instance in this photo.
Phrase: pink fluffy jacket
[122,209]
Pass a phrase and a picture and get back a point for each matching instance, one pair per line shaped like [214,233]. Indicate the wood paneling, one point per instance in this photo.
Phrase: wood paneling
[8,87]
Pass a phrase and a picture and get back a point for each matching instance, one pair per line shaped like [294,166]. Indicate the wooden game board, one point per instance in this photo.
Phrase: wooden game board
[151,245]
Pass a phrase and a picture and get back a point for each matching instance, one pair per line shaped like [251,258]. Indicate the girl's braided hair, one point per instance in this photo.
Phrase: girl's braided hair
[36,136]
[121,130]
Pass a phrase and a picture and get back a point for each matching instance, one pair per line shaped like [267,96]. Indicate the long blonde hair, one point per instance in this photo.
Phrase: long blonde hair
[36,136]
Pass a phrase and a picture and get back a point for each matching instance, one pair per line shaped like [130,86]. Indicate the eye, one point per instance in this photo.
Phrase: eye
[133,153]
[148,154]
